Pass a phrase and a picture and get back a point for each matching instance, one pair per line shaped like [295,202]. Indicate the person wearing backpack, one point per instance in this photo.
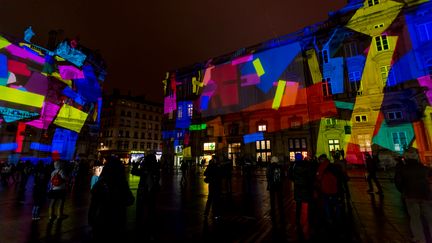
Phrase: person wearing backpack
[274,186]
[57,192]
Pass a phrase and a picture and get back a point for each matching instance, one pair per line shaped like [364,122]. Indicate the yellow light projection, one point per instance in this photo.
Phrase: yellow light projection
[3,42]
[258,67]
[279,94]
[372,84]
[21,97]
[375,25]
[314,66]
[71,118]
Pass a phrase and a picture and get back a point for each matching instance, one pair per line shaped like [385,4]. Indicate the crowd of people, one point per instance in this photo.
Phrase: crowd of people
[320,189]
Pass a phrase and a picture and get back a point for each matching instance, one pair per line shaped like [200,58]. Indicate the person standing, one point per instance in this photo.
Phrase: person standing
[213,178]
[372,167]
[303,178]
[41,179]
[412,180]
[274,186]
[110,197]
[148,187]
[57,192]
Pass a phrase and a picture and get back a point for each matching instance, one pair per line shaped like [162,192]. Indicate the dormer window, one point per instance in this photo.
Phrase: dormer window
[372,2]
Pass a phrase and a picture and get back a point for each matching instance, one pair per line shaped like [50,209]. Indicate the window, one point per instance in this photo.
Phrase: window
[399,141]
[382,43]
[263,150]
[135,145]
[150,117]
[429,68]
[354,76]
[331,121]
[333,144]
[378,26]
[233,129]
[148,145]
[135,134]
[149,135]
[364,141]
[234,150]
[355,82]
[136,124]
[137,115]
[425,31]
[119,145]
[350,49]
[149,126]
[142,145]
[297,145]
[179,112]
[143,125]
[387,77]
[122,113]
[126,145]
[209,146]
[394,115]
[127,134]
[326,87]
[129,114]
[296,122]
[156,127]
[120,133]
[144,116]
[142,135]
[372,2]
[262,128]
[155,136]
[325,56]
[190,109]
[361,118]
[155,146]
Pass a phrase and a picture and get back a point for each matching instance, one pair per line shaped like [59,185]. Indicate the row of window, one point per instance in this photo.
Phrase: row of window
[127,123]
[126,134]
[123,113]
[142,145]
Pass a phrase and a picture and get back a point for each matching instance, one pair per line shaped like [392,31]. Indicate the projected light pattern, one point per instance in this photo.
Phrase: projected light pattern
[359,82]
[46,96]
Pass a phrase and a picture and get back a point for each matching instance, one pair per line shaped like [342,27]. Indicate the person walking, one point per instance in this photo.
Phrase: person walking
[110,197]
[371,168]
[57,192]
[184,171]
[412,180]
[274,186]
[213,178]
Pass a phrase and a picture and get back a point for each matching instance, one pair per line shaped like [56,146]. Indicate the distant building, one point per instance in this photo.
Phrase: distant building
[359,82]
[130,127]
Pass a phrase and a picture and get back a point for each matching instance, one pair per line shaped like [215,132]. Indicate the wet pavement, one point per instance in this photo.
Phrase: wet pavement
[245,215]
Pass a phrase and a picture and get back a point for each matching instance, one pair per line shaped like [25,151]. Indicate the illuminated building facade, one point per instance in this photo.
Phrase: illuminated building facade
[130,126]
[358,82]
[50,100]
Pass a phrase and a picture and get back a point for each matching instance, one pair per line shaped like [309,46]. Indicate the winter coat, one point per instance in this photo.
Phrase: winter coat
[412,180]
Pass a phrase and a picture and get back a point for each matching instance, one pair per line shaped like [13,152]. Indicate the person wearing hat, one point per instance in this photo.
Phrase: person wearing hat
[412,180]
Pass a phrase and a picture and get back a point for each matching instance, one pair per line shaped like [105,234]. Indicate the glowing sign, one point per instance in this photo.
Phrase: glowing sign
[198,127]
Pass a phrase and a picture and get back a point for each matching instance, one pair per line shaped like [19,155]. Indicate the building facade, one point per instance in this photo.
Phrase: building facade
[50,100]
[358,82]
[130,127]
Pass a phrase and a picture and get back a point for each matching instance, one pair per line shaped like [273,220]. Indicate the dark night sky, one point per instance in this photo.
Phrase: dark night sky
[141,40]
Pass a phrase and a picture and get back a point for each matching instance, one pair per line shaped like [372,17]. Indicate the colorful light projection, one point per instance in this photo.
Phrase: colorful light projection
[357,87]
[253,137]
[43,89]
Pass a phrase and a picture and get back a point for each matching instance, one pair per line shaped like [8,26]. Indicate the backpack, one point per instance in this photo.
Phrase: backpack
[57,179]
[276,175]
[329,182]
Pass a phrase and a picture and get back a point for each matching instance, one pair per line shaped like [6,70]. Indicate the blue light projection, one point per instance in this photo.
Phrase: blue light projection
[64,143]
[253,137]
[40,147]
[8,146]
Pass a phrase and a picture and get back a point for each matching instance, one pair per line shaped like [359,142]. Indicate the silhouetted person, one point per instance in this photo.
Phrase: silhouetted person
[274,186]
[148,188]
[372,167]
[412,180]
[184,171]
[213,176]
[303,177]
[109,198]
[41,179]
